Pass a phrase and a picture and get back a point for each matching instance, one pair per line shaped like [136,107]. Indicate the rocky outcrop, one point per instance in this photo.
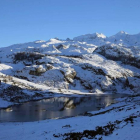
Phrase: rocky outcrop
[27,56]
[61,46]
[37,71]
[124,54]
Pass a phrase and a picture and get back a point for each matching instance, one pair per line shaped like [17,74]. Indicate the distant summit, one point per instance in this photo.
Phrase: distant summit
[89,37]
[122,33]
[121,38]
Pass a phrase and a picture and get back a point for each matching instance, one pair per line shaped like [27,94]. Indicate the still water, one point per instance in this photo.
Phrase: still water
[57,107]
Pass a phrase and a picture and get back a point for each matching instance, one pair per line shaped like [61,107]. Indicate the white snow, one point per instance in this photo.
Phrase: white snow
[88,64]
[45,129]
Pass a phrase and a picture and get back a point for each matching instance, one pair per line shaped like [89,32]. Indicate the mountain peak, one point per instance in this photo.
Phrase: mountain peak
[89,37]
[122,33]
[100,35]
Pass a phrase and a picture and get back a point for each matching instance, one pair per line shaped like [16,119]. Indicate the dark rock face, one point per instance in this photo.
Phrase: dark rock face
[119,53]
[49,67]
[14,94]
[95,70]
[61,46]
[27,56]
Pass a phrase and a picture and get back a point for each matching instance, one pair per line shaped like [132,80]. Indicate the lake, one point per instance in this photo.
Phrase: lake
[56,107]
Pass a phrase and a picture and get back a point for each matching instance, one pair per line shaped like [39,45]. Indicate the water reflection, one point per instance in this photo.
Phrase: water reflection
[56,107]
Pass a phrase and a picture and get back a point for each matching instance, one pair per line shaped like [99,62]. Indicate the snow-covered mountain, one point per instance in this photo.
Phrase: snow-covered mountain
[96,38]
[125,39]
[121,38]
[87,64]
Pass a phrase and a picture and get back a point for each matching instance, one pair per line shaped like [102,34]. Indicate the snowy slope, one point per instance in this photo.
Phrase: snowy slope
[96,38]
[121,38]
[124,38]
[116,122]
[88,64]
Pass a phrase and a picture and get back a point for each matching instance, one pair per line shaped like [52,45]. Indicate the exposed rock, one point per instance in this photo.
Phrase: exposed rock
[37,71]
[70,76]
[120,53]
[61,46]
[49,67]
[27,56]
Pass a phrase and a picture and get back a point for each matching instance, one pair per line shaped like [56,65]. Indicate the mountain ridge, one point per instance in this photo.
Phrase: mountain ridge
[98,39]
[97,65]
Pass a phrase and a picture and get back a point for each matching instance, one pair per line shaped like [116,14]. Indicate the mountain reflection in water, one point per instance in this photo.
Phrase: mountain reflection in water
[57,107]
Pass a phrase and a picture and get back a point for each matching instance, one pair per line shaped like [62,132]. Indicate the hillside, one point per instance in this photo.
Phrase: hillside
[87,64]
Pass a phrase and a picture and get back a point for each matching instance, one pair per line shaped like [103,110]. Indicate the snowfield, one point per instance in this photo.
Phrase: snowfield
[87,64]
[118,122]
